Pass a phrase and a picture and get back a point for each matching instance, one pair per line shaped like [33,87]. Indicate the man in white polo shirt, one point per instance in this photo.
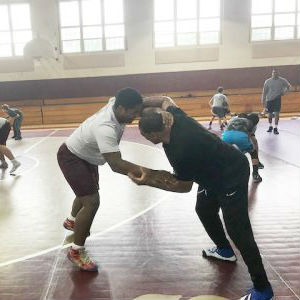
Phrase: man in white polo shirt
[93,143]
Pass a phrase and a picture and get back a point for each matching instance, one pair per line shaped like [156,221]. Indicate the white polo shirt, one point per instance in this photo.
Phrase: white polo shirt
[100,133]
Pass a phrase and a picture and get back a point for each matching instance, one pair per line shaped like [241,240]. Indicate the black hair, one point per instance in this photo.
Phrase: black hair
[220,89]
[253,117]
[128,98]
[151,122]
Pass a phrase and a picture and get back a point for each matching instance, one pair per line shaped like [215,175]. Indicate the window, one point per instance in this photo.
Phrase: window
[275,20]
[91,25]
[15,28]
[186,22]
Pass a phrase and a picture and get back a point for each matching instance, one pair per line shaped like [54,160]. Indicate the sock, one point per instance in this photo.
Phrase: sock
[210,123]
[14,162]
[71,218]
[76,247]
[275,126]
[255,169]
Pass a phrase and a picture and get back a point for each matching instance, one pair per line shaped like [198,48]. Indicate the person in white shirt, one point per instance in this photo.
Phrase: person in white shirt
[273,89]
[219,108]
[4,150]
[92,144]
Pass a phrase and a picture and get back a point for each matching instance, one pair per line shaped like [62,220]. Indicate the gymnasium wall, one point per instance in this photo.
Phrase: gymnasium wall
[235,63]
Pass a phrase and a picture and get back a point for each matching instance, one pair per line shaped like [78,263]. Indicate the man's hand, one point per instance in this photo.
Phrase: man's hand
[160,179]
[142,179]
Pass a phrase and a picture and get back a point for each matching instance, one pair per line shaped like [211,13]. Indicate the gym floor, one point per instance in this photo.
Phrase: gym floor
[147,242]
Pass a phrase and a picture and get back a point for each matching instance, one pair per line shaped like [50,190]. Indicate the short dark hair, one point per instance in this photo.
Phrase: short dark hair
[220,89]
[151,122]
[253,117]
[128,98]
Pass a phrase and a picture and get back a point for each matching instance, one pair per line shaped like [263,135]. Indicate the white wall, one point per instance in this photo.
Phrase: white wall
[235,50]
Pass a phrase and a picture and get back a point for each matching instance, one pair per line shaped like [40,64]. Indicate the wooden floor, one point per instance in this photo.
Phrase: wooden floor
[148,242]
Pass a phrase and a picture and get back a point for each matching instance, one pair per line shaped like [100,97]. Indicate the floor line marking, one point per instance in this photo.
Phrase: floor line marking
[280,277]
[13,261]
[39,142]
[48,286]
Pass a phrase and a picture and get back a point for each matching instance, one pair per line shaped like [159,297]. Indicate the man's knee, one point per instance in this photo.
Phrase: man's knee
[92,201]
[204,207]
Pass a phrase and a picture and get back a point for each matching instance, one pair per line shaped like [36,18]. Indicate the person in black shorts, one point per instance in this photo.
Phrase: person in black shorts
[222,173]
[219,108]
[274,88]
[241,133]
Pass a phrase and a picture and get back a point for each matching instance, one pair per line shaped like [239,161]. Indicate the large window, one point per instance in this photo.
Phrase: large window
[91,25]
[275,20]
[186,22]
[15,28]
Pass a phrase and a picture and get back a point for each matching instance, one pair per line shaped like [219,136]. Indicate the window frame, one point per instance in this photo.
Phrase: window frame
[197,19]
[296,27]
[11,31]
[81,26]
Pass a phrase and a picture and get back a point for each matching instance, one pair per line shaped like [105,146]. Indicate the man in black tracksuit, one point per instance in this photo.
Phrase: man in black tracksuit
[222,173]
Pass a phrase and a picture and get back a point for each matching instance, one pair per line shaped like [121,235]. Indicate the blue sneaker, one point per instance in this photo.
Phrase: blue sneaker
[254,294]
[224,254]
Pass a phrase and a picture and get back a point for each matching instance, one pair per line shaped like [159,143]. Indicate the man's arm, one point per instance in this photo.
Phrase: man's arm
[161,179]
[264,94]
[119,165]
[162,102]
[226,101]
[287,87]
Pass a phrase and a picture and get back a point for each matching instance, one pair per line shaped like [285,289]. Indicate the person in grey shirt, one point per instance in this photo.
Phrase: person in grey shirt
[219,108]
[274,88]
[17,116]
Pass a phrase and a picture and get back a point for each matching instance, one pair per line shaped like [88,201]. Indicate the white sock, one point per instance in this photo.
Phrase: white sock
[275,126]
[71,218]
[76,247]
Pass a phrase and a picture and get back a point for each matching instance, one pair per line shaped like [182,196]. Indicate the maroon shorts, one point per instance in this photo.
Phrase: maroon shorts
[4,133]
[82,176]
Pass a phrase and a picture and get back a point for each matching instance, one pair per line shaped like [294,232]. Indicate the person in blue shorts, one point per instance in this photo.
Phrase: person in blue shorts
[241,133]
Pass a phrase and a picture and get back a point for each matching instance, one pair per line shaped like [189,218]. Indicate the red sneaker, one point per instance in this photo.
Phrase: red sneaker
[81,259]
[68,224]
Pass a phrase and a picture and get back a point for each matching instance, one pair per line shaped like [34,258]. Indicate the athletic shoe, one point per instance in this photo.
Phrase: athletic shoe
[18,138]
[276,131]
[15,167]
[69,225]
[270,129]
[256,178]
[254,294]
[4,165]
[224,254]
[209,128]
[260,165]
[81,259]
